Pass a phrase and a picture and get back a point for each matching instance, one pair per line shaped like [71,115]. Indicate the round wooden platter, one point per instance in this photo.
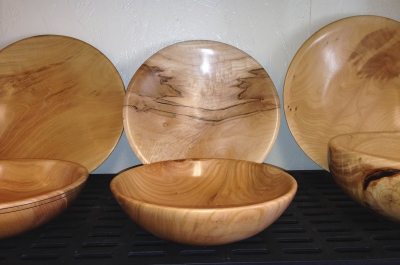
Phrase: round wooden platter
[345,78]
[60,98]
[201,99]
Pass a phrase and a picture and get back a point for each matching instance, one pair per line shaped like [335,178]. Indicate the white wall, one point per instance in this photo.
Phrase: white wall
[129,31]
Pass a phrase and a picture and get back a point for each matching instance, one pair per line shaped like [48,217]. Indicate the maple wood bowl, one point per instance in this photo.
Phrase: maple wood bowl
[34,191]
[367,167]
[204,201]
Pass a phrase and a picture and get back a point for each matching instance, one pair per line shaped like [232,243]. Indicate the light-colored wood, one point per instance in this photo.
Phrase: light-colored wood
[344,79]
[204,201]
[201,99]
[60,98]
[367,167]
[34,191]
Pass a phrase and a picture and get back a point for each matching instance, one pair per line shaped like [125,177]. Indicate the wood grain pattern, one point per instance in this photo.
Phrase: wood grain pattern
[34,191]
[204,201]
[344,79]
[367,167]
[201,99]
[60,98]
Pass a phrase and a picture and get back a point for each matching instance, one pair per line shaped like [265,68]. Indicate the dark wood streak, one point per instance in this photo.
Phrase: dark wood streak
[386,55]
[174,114]
[378,174]
[247,83]
[62,92]
[163,88]
[373,41]
[383,65]
[21,82]
[163,79]
[169,103]
[38,70]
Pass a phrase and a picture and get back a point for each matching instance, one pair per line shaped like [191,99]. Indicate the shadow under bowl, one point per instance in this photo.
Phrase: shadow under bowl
[34,191]
[366,166]
[204,201]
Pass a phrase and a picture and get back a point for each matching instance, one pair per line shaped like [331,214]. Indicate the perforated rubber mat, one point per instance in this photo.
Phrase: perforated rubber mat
[322,226]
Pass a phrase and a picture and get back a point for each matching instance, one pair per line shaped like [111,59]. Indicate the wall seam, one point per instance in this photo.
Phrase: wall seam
[309,20]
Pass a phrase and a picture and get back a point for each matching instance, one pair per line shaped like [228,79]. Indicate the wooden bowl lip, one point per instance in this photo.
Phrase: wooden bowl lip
[99,162]
[49,197]
[335,143]
[286,197]
[145,159]
[298,56]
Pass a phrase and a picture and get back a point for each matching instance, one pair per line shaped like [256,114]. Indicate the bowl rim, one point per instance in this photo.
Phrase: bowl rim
[334,144]
[289,195]
[48,197]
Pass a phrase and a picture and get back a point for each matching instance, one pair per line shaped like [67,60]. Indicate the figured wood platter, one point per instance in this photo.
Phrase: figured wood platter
[344,79]
[201,99]
[60,98]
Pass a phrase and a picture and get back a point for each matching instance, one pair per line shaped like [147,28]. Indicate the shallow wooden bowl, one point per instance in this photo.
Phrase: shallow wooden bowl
[367,167]
[204,201]
[33,191]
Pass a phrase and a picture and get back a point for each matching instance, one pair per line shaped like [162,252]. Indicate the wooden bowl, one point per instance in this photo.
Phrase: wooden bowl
[367,167]
[204,201]
[33,191]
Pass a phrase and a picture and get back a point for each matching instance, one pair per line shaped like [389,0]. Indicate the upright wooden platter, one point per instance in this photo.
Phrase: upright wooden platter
[345,78]
[201,99]
[60,98]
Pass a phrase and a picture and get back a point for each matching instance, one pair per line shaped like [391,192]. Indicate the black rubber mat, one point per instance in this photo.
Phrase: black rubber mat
[322,226]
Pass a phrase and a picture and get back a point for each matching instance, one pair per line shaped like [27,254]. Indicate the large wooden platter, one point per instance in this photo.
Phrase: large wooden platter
[344,79]
[60,98]
[201,99]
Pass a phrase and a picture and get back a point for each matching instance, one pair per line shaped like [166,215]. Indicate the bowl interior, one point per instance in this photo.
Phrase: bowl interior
[27,178]
[378,144]
[203,183]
